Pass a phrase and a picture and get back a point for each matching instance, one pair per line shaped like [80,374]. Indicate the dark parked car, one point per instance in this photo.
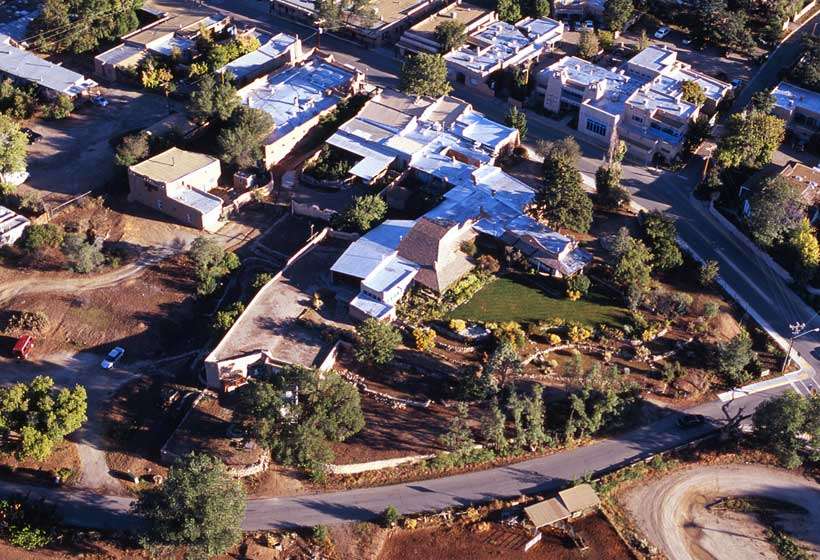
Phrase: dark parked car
[691,420]
[31,135]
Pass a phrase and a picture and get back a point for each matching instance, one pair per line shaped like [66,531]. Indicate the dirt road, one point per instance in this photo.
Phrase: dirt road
[673,512]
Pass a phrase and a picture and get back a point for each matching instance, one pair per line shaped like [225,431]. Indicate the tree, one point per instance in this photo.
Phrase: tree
[450,35]
[133,149]
[806,72]
[541,8]
[365,212]
[617,13]
[221,54]
[60,108]
[211,262]
[534,412]
[516,407]
[297,412]
[750,140]
[17,102]
[692,92]
[734,356]
[503,362]
[515,118]
[633,271]
[763,101]
[424,74]
[82,256]
[225,318]
[588,45]
[240,142]
[578,284]
[376,342]
[708,272]
[153,75]
[610,193]
[607,39]
[643,41]
[200,506]
[82,25]
[424,338]
[780,424]
[39,236]
[776,209]
[35,416]
[508,10]
[661,235]
[459,438]
[214,99]
[391,516]
[562,201]
[803,241]
[493,427]
[334,14]
[13,147]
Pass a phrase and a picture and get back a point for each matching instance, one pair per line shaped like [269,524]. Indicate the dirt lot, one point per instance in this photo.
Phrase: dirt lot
[675,513]
[500,541]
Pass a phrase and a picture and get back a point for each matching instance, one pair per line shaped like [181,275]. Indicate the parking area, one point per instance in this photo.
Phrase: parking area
[76,154]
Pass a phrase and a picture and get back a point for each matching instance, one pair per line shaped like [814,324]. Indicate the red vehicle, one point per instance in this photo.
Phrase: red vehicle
[23,347]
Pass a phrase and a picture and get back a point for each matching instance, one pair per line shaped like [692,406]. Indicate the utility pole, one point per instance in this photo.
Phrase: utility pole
[796,329]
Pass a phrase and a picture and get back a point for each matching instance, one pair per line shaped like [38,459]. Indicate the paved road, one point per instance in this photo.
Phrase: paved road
[537,475]
[671,511]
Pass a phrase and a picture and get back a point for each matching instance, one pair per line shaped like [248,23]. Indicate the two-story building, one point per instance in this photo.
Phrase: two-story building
[422,36]
[641,103]
[177,183]
[800,108]
[499,46]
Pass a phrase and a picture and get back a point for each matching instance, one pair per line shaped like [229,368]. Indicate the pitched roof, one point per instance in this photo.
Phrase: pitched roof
[806,178]
[546,512]
[420,245]
[579,498]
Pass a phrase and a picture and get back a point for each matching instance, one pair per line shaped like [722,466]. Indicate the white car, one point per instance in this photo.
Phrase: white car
[113,357]
[589,24]
[661,32]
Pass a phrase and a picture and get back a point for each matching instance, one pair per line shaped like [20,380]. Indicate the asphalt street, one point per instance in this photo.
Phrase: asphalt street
[765,294]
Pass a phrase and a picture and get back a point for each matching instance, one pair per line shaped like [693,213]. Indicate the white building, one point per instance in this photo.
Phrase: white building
[800,108]
[12,225]
[51,79]
[277,51]
[422,36]
[502,45]
[640,103]
[442,142]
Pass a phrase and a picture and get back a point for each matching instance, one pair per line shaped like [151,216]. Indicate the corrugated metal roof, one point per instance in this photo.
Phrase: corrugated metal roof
[24,65]
[546,512]
[171,165]
[579,498]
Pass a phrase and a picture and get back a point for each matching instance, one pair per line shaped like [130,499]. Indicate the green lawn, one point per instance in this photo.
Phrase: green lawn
[510,299]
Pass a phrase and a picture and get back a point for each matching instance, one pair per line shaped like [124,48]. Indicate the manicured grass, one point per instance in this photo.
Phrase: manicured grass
[519,299]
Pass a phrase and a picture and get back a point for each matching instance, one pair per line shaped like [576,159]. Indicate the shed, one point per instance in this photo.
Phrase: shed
[546,512]
[579,498]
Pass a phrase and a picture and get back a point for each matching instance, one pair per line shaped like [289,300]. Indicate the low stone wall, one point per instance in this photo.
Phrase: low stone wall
[356,468]
[249,470]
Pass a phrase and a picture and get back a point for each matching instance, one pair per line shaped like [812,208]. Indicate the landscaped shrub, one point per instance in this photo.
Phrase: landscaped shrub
[424,338]
[26,321]
[457,325]
[331,165]
[26,524]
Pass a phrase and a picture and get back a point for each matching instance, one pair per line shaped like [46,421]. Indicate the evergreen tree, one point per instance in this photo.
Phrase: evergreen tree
[562,201]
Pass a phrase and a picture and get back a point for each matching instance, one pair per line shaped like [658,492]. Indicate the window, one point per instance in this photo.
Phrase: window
[636,118]
[596,127]
[572,95]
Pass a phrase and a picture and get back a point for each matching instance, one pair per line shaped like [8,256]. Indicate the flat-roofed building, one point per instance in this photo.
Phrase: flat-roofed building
[12,225]
[800,108]
[502,45]
[164,37]
[296,97]
[279,50]
[422,36]
[577,9]
[640,103]
[177,183]
[392,18]
[51,79]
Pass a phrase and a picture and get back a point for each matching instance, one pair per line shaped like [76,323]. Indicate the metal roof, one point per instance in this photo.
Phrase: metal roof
[579,498]
[250,64]
[546,512]
[364,255]
[789,96]
[24,65]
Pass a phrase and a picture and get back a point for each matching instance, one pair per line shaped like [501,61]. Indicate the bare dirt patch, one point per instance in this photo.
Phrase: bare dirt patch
[501,541]
[64,456]
[676,512]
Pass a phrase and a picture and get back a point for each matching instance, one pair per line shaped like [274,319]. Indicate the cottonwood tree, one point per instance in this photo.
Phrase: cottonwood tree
[365,212]
[376,342]
[450,35]
[199,506]
[36,416]
[633,270]
[775,210]
[298,429]
[788,425]
[803,242]
[240,142]
[214,99]
[750,140]
[424,74]
[561,200]
[662,237]
[82,25]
